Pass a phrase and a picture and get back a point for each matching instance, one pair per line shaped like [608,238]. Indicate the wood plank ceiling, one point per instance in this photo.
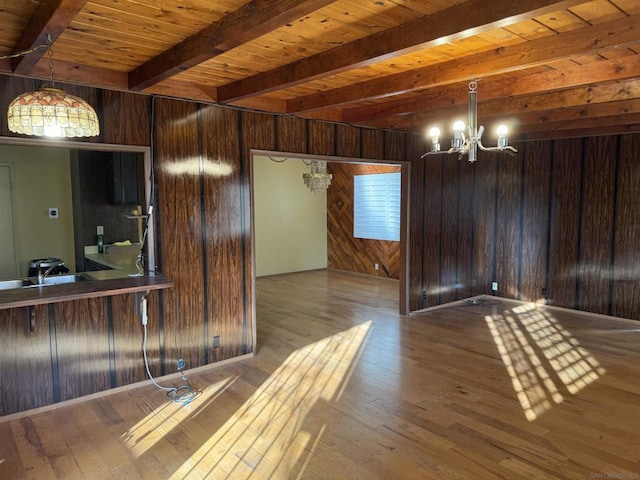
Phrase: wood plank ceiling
[548,68]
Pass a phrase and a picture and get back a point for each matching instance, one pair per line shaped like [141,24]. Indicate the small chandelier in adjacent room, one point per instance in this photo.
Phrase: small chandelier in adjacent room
[318,180]
[51,112]
[468,145]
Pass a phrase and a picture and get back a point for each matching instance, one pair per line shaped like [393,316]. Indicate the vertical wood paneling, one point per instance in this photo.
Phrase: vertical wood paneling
[127,338]
[535,219]
[432,229]
[596,234]
[508,220]
[348,141]
[125,118]
[322,137]
[224,233]
[395,145]
[565,218]
[372,144]
[25,360]
[449,229]
[82,343]
[179,197]
[464,280]
[626,268]
[292,134]
[484,223]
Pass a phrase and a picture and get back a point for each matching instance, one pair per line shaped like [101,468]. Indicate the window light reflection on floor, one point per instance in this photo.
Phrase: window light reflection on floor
[147,432]
[524,333]
[267,436]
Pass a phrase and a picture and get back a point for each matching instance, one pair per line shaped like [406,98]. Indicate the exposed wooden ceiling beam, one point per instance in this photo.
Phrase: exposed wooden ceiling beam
[584,123]
[51,18]
[460,21]
[490,112]
[582,132]
[81,74]
[620,109]
[615,34]
[249,22]
[592,73]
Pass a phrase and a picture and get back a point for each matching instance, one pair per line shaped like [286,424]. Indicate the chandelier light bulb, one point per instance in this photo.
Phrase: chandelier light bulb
[458,134]
[434,133]
[502,131]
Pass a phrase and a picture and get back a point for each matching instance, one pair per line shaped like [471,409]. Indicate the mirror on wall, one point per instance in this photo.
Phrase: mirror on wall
[56,198]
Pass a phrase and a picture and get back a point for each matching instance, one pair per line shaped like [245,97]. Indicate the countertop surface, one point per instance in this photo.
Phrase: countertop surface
[38,295]
[121,258]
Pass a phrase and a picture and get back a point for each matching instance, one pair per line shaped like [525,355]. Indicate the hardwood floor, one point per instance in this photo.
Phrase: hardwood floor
[343,387]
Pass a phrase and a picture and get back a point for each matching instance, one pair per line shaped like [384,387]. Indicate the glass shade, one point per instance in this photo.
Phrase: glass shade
[52,112]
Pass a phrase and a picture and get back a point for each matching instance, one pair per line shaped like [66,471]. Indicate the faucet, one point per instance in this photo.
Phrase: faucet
[41,276]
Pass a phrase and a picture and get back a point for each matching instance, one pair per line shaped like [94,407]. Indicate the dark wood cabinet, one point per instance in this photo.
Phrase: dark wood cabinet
[124,186]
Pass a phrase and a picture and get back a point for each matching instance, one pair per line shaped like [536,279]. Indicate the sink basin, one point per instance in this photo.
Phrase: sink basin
[60,279]
[71,278]
[19,283]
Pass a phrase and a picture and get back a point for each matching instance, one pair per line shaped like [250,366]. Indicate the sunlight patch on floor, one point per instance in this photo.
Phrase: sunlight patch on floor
[536,349]
[147,432]
[267,436]
[575,366]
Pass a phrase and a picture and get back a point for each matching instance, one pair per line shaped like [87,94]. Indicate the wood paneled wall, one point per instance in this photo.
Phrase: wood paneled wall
[562,216]
[344,252]
[201,155]
[75,348]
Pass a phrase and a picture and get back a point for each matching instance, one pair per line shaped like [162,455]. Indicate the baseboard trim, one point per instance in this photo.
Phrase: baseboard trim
[123,388]
[539,304]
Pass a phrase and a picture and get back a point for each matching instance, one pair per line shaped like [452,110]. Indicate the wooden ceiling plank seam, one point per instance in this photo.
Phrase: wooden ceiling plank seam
[459,21]
[537,52]
[50,20]
[247,23]
[191,15]
[134,34]
[115,16]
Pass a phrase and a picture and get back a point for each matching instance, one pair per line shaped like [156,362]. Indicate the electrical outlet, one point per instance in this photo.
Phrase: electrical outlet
[376,266]
[544,293]
[53,212]
[216,341]
[494,286]
[424,294]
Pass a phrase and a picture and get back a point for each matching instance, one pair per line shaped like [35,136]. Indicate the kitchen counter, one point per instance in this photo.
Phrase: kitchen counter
[122,258]
[38,295]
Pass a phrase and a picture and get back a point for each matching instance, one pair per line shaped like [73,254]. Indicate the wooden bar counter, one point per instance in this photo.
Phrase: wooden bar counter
[59,342]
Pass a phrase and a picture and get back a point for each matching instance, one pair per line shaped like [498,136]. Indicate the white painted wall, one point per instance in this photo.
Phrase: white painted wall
[42,179]
[290,220]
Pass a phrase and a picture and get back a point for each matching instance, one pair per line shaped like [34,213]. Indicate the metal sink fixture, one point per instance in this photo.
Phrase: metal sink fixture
[11,284]
[61,279]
